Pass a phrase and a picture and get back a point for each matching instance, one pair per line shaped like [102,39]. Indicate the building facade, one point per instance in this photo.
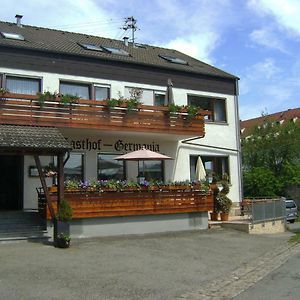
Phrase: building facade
[38,60]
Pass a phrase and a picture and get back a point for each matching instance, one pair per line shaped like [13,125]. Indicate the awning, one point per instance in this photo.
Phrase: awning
[32,139]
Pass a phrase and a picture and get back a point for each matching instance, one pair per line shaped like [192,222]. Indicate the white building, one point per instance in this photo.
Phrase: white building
[36,60]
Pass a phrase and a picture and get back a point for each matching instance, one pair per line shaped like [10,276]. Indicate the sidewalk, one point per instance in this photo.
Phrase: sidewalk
[162,266]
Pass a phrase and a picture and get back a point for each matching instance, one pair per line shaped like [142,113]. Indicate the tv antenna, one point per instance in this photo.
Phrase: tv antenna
[130,23]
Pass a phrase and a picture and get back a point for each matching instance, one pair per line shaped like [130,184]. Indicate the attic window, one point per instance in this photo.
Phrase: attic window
[12,36]
[91,47]
[117,51]
[137,45]
[174,59]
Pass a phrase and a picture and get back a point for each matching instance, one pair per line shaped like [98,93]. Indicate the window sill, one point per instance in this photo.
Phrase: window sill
[216,123]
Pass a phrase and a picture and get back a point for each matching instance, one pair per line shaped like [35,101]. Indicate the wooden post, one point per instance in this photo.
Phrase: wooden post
[60,179]
[44,185]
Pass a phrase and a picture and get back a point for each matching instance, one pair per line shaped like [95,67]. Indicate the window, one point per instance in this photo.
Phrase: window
[216,106]
[215,166]
[12,36]
[159,99]
[117,51]
[149,97]
[91,47]
[74,167]
[102,92]
[109,168]
[174,59]
[22,85]
[76,89]
[152,170]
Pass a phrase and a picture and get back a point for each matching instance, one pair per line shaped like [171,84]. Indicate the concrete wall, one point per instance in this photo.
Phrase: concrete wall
[97,227]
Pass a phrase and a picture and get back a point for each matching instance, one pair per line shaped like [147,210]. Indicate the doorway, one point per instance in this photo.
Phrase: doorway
[11,182]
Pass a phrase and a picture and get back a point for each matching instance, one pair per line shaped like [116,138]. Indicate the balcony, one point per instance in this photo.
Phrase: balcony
[20,109]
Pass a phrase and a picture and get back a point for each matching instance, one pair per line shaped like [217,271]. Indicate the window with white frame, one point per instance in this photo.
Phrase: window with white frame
[215,166]
[216,106]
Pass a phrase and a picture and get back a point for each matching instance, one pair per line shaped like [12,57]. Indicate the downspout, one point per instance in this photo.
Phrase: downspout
[238,137]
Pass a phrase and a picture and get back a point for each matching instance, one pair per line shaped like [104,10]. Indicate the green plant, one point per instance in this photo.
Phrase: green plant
[68,99]
[65,211]
[223,203]
[192,111]
[63,241]
[112,102]
[132,103]
[173,108]
[3,91]
[42,97]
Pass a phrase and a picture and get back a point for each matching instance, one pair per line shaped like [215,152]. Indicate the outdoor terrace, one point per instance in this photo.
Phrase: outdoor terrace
[20,109]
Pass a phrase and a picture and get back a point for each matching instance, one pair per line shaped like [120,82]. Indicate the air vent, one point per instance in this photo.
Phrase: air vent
[12,36]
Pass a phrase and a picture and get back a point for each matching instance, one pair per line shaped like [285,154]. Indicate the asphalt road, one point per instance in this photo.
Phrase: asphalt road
[283,283]
[148,267]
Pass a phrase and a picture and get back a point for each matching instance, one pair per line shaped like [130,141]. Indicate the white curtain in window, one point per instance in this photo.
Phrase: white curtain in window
[21,85]
[102,92]
[81,91]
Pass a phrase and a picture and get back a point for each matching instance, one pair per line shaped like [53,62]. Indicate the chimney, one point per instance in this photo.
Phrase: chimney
[125,38]
[18,20]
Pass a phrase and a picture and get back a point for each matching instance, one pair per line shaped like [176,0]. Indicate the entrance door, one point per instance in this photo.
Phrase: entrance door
[11,182]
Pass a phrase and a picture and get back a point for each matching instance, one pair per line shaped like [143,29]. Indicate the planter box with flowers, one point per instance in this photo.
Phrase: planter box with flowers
[106,198]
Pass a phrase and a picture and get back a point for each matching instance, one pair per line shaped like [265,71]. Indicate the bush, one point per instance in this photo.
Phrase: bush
[65,211]
[261,182]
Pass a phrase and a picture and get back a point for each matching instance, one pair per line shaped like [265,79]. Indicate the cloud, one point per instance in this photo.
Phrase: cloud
[198,46]
[71,15]
[286,12]
[268,38]
[265,69]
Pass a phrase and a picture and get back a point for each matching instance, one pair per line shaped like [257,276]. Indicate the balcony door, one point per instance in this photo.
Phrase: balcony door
[11,182]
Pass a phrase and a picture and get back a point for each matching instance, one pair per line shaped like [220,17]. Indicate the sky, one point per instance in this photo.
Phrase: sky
[255,40]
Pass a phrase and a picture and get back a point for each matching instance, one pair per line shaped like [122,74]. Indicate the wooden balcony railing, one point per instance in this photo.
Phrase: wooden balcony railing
[130,203]
[22,109]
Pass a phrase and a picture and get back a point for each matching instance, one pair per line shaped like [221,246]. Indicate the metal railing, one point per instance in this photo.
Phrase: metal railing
[264,209]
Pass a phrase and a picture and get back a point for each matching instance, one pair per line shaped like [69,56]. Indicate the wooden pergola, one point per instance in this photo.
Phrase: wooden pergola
[37,141]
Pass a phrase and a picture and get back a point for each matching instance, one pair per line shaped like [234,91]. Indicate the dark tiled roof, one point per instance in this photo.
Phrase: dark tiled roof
[283,116]
[49,40]
[32,138]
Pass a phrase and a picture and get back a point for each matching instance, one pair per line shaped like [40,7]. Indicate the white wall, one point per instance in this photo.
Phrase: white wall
[217,135]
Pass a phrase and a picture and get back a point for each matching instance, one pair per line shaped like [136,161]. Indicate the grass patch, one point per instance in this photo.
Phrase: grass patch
[295,239]
[298,219]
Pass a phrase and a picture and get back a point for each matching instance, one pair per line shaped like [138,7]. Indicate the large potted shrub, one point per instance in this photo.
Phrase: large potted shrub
[62,225]
[223,202]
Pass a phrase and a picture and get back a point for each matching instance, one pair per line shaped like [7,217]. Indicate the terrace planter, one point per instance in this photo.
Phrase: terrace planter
[224,216]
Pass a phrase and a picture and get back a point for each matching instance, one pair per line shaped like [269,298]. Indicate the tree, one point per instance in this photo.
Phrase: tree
[271,152]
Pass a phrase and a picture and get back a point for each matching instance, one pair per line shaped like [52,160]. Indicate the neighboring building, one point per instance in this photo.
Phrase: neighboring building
[35,60]
[290,115]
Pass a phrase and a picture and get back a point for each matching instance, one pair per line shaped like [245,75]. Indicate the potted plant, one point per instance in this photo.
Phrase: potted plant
[224,203]
[61,222]
[63,241]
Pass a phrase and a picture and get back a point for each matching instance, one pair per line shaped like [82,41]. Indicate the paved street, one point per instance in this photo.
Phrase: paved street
[283,283]
[166,266]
